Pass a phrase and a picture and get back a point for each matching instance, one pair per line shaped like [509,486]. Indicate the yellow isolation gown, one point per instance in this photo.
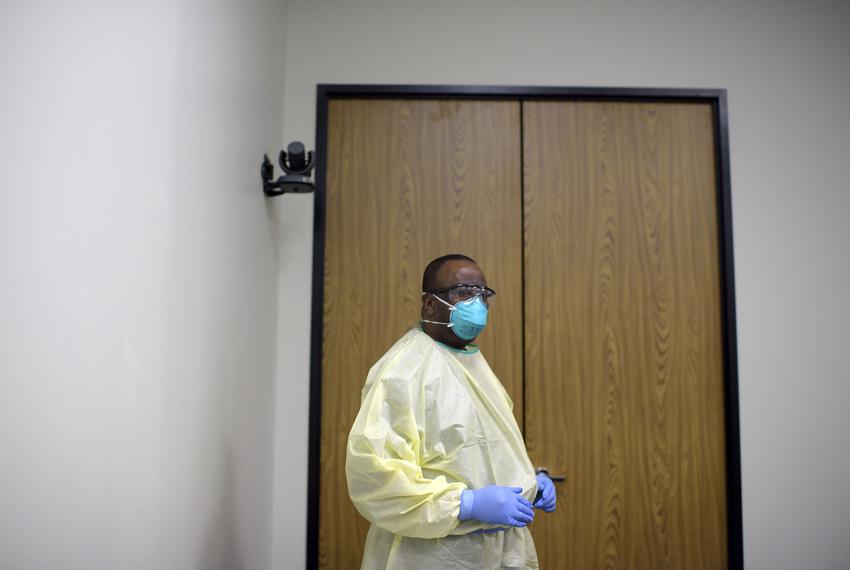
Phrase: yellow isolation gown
[433,422]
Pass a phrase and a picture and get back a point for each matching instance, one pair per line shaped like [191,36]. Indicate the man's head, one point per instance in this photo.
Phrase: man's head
[443,284]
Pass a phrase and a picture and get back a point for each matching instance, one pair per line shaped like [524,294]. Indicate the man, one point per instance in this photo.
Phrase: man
[436,461]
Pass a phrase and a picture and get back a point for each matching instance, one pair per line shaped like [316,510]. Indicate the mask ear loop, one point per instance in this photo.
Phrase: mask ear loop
[449,305]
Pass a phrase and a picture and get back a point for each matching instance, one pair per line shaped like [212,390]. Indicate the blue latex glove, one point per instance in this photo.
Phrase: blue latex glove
[546,492]
[496,505]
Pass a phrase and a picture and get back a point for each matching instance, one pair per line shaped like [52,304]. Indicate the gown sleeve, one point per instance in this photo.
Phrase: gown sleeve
[383,467]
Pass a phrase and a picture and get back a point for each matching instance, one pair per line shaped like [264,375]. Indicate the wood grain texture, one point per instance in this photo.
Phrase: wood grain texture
[624,365]
[408,181]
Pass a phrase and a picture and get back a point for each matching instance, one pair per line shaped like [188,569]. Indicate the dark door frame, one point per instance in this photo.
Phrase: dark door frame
[717,99]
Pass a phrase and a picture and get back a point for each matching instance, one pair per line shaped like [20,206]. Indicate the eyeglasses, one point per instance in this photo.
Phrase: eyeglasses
[464,291]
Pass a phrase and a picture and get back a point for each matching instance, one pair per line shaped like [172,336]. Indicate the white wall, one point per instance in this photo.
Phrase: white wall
[138,299]
[784,64]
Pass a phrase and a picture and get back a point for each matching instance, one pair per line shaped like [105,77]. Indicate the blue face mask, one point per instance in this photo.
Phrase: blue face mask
[468,318]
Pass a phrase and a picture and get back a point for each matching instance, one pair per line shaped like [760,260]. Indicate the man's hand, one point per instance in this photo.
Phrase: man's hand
[547,493]
[496,505]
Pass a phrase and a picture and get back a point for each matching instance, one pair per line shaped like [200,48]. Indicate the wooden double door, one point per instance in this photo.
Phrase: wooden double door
[597,224]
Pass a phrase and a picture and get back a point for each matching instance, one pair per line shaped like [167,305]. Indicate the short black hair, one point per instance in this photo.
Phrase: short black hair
[429,277]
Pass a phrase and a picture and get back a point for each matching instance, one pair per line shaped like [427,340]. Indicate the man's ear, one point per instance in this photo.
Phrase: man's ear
[428,305]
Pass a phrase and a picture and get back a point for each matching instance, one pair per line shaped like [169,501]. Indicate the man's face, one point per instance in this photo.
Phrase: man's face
[453,272]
